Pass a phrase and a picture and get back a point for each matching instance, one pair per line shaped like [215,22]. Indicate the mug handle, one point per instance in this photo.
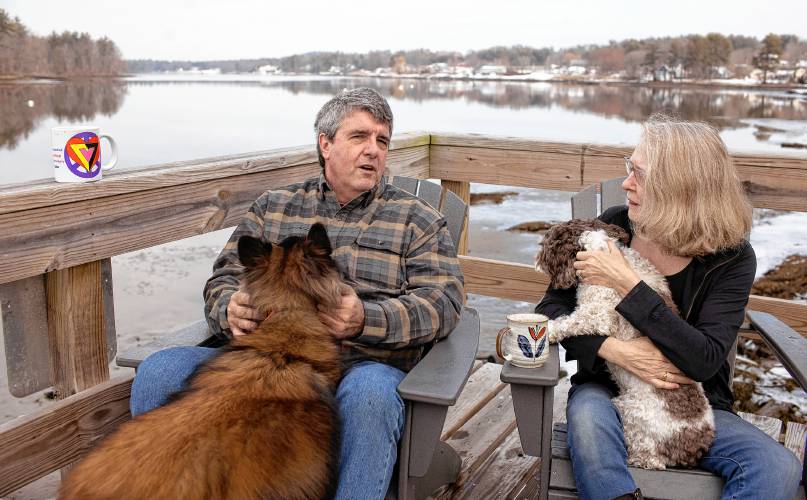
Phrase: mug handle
[114,160]
[499,350]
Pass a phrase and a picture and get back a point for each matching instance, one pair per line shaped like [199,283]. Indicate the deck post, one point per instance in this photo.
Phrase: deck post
[78,345]
[76,334]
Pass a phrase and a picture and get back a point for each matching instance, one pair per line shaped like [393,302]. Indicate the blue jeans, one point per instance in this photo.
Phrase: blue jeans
[372,413]
[751,463]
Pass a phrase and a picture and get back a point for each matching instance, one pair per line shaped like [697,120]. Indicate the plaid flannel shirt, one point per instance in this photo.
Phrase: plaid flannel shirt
[394,249]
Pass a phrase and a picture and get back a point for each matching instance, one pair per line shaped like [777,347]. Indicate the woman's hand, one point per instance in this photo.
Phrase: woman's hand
[643,359]
[607,268]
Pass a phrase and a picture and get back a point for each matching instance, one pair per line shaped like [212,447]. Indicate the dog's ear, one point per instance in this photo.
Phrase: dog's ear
[558,251]
[318,237]
[617,233]
[252,251]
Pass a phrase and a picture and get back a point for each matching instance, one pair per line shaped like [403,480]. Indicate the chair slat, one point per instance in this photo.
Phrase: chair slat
[430,193]
[584,204]
[769,425]
[454,210]
[408,184]
[796,438]
[611,193]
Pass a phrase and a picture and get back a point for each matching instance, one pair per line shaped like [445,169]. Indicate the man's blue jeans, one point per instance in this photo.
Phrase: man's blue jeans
[372,413]
[751,463]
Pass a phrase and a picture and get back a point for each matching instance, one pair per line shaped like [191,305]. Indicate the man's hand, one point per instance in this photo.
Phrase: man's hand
[242,315]
[346,320]
[643,359]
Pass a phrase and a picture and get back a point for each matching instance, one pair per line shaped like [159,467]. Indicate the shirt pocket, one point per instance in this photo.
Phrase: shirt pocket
[380,261]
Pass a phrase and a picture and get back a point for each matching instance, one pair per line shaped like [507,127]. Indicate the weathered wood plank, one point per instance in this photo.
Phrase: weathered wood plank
[503,474]
[47,192]
[506,280]
[77,337]
[31,243]
[774,182]
[482,386]
[556,168]
[38,444]
[778,182]
[795,436]
[23,305]
[794,314]
[483,433]
[769,425]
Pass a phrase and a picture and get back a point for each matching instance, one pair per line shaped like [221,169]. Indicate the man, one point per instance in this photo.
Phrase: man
[394,250]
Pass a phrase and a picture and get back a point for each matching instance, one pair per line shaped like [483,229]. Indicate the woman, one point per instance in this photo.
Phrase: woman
[688,215]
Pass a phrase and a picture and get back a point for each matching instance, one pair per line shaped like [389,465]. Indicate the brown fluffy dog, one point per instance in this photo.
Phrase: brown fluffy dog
[257,421]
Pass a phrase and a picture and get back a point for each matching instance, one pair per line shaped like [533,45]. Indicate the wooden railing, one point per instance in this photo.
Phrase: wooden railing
[57,239]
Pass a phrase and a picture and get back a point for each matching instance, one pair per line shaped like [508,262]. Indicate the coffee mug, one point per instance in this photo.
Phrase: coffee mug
[76,153]
[523,342]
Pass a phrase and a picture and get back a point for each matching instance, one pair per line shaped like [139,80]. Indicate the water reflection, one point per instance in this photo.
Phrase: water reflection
[172,118]
[25,106]
[724,108]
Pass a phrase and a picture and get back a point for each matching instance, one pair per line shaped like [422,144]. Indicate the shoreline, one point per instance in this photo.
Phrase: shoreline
[695,84]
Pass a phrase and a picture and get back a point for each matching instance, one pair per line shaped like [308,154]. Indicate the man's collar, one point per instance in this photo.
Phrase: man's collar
[366,198]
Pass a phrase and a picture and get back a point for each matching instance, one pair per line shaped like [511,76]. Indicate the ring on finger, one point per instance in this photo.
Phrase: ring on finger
[664,378]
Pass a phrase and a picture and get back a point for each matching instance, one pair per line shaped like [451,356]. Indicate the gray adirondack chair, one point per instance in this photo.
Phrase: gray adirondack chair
[533,396]
[424,462]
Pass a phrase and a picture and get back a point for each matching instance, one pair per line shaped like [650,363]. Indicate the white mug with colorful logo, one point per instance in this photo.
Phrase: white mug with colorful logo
[76,152]
[523,342]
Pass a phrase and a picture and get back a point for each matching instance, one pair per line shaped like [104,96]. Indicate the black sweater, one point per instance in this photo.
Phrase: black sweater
[697,342]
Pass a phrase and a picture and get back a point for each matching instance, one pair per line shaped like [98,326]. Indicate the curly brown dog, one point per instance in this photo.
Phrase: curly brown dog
[257,421]
[662,427]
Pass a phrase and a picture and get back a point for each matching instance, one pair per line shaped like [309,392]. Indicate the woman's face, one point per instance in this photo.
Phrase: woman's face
[633,185]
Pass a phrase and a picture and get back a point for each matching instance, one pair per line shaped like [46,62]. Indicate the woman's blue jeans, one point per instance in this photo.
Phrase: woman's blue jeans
[371,410]
[752,464]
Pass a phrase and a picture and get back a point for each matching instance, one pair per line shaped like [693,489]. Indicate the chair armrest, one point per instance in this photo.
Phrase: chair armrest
[441,375]
[546,375]
[788,345]
[195,334]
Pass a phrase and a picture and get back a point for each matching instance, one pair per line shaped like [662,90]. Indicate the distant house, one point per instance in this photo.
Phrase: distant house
[665,73]
[268,69]
[492,70]
[575,70]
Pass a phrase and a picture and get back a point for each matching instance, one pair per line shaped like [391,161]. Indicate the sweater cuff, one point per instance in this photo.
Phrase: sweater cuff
[219,314]
[375,324]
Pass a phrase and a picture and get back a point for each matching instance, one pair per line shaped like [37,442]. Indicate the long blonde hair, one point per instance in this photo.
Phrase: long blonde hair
[694,203]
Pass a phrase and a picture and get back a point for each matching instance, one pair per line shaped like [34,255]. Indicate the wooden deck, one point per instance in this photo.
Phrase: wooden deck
[482,428]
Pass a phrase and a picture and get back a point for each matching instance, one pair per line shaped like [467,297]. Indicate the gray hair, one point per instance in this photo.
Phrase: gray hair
[333,112]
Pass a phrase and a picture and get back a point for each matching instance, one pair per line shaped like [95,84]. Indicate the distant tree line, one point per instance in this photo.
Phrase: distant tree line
[315,62]
[68,54]
[695,56]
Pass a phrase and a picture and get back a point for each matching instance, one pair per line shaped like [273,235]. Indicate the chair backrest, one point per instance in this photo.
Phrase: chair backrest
[584,206]
[444,201]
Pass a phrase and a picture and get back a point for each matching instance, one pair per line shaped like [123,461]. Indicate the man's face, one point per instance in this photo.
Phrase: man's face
[356,158]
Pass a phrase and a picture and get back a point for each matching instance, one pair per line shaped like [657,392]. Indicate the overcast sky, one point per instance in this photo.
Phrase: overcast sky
[234,29]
